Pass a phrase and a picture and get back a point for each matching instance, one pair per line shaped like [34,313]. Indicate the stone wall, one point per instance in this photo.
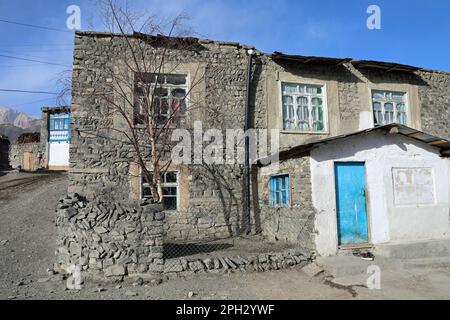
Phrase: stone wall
[109,238]
[17,150]
[102,163]
[435,103]
[4,153]
[293,223]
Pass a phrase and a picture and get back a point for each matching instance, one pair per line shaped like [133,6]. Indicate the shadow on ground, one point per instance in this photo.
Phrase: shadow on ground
[176,250]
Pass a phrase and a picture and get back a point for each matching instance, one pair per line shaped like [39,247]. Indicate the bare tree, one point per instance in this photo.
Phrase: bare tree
[139,89]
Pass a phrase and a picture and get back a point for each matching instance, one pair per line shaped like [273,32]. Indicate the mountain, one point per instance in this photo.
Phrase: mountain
[13,123]
[17,118]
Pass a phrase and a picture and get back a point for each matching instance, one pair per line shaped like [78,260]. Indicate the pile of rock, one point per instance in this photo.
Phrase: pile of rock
[250,263]
[109,238]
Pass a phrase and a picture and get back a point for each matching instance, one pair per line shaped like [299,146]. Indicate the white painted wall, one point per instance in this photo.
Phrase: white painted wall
[387,222]
[58,153]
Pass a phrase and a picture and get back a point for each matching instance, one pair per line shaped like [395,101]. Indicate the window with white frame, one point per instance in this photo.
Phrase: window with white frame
[389,107]
[169,184]
[169,96]
[303,107]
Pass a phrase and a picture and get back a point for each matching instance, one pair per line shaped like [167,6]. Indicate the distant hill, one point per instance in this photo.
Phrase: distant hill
[17,118]
[13,132]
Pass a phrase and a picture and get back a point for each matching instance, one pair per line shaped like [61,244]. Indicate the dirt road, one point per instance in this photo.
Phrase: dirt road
[27,244]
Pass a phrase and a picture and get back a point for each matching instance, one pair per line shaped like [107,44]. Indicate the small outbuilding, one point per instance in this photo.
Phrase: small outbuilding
[55,137]
[386,184]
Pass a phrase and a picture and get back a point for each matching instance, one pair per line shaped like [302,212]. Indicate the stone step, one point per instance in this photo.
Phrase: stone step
[415,250]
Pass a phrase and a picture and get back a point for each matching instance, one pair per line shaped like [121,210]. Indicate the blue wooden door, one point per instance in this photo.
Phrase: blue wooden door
[351,202]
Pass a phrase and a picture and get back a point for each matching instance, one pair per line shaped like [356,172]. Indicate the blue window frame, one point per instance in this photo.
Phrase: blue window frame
[59,126]
[279,186]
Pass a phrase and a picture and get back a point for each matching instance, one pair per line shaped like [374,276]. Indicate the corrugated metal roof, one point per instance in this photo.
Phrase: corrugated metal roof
[300,150]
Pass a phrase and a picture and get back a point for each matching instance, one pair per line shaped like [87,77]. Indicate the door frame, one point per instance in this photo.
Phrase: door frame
[368,213]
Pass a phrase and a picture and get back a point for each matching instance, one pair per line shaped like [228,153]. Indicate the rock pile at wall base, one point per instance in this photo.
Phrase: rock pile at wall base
[113,239]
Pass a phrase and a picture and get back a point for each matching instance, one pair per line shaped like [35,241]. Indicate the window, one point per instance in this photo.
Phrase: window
[169,92]
[303,107]
[59,126]
[279,187]
[169,183]
[389,107]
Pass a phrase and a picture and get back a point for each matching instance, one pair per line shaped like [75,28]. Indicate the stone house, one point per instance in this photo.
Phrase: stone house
[4,151]
[26,152]
[306,98]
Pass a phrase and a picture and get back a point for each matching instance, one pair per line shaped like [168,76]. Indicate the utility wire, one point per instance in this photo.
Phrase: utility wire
[34,26]
[22,54]
[27,91]
[37,45]
[32,60]
[30,102]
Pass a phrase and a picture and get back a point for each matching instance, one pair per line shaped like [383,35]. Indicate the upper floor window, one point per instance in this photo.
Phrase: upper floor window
[303,107]
[389,107]
[59,126]
[279,187]
[168,92]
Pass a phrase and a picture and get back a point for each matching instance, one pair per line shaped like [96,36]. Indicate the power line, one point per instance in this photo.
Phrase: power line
[30,102]
[32,60]
[2,51]
[34,26]
[27,91]
[37,45]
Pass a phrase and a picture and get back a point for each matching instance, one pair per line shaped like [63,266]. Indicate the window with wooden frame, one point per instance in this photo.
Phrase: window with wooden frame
[170,186]
[169,97]
[279,190]
[303,107]
[389,107]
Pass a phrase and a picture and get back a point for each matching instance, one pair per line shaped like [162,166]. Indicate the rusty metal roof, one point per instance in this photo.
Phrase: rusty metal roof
[365,64]
[386,66]
[309,59]
[301,150]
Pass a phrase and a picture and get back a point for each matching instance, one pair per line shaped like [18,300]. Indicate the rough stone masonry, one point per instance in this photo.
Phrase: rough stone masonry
[109,238]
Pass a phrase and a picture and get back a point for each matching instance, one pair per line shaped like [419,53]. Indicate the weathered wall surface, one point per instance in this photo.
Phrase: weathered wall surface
[435,103]
[389,220]
[293,223]
[17,150]
[102,162]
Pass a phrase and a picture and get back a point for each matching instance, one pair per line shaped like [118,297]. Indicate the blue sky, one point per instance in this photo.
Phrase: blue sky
[414,32]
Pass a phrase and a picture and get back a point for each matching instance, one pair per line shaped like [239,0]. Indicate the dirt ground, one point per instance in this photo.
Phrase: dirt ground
[27,244]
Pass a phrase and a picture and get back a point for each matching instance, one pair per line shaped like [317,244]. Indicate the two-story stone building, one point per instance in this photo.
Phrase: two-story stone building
[306,98]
